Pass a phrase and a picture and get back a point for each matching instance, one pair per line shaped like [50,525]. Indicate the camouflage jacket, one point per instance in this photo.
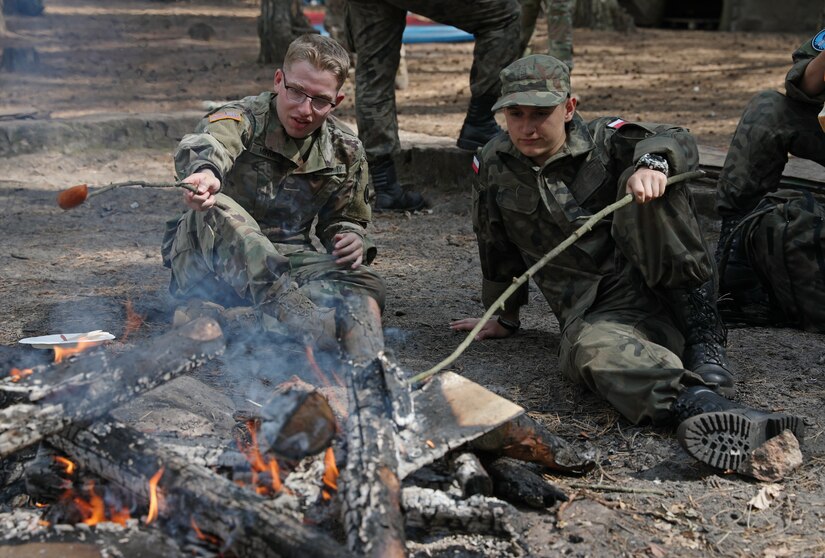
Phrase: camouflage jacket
[801,58]
[522,211]
[282,182]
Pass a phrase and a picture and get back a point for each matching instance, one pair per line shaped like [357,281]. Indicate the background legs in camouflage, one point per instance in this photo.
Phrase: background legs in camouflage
[771,127]
[559,15]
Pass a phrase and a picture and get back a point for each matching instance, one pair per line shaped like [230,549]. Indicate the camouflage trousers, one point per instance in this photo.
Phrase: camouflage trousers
[376,28]
[221,255]
[559,26]
[771,127]
[630,358]
[627,347]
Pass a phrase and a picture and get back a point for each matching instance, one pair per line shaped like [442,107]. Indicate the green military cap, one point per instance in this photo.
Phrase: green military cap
[537,80]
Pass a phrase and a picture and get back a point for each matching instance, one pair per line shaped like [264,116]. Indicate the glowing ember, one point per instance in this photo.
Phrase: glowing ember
[330,478]
[68,464]
[133,320]
[62,353]
[18,374]
[153,496]
[212,539]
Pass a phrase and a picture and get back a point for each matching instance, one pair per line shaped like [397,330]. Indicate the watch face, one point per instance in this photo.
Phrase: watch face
[818,42]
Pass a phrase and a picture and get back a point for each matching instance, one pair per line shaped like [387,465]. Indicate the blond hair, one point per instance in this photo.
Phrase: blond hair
[321,52]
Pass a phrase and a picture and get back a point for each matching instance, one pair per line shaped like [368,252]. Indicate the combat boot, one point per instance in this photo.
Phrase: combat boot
[722,433]
[389,195]
[479,125]
[286,311]
[705,335]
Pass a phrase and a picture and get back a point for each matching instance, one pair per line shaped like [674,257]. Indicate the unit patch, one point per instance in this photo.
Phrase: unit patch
[225,115]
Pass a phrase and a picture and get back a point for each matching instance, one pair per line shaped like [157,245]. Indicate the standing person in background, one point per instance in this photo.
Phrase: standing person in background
[559,26]
[377,27]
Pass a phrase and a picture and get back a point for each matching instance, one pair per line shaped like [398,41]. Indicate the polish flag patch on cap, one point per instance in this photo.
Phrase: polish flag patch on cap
[616,124]
[476,164]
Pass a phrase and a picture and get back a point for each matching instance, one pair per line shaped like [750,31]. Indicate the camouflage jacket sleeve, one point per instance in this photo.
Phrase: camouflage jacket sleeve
[501,260]
[348,208]
[218,140]
[801,58]
[626,142]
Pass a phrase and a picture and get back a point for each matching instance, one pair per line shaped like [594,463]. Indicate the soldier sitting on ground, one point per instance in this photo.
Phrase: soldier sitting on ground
[772,272]
[634,297]
[265,167]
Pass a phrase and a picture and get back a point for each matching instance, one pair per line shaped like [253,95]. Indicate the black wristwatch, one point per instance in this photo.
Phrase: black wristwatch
[509,325]
[653,162]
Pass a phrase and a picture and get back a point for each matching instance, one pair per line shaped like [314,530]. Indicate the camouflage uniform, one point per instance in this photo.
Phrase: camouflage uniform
[377,27]
[618,337]
[772,126]
[559,26]
[272,189]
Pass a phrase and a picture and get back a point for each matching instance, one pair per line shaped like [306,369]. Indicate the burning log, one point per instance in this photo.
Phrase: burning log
[84,389]
[369,485]
[297,421]
[246,523]
[525,439]
[516,482]
[434,510]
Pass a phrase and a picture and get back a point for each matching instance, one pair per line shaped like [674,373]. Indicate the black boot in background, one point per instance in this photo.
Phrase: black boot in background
[389,195]
[705,335]
[479,125]
[722,433]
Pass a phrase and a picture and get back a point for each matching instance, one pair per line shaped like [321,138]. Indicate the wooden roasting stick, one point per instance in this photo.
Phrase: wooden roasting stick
[247,523]
[86,388]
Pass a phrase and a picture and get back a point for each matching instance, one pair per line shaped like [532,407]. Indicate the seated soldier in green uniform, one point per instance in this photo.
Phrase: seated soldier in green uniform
[761,289]
[265,168]
[634,296]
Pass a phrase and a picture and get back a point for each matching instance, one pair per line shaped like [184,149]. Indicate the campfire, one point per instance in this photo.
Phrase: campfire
[351,464]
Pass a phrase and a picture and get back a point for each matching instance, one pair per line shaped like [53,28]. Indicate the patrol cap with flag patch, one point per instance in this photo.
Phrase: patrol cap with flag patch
[537,80]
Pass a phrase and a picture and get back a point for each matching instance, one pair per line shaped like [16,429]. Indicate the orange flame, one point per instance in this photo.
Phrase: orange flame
[67,463]
[322,378]
[133,320]
[92,510]
[153,496]
[62,353]
[18,374]
[259,464]
[330,478]
[212,539]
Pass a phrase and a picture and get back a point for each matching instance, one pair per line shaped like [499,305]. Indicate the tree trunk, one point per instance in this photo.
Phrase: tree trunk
[606,15]
[280,23]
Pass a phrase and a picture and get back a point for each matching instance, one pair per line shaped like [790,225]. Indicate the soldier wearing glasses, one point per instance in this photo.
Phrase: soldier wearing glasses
[265,168]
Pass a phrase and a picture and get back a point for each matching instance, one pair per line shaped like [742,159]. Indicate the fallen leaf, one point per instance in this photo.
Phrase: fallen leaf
[763,498]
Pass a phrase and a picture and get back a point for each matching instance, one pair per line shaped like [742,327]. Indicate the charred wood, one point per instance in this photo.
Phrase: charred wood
[246,523]
[525,439]
[369,486]
[86,388]
[471,475]
[432,510]
[516,482]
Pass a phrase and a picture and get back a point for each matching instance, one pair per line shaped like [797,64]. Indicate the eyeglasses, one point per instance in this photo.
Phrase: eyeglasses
[319,104]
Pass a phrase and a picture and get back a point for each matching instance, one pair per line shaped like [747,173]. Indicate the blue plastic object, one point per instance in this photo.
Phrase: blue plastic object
[426,34]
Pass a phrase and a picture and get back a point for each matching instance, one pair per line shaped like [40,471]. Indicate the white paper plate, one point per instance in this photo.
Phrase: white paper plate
[50,341]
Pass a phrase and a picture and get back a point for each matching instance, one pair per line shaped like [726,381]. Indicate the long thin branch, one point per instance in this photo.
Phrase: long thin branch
[499,302]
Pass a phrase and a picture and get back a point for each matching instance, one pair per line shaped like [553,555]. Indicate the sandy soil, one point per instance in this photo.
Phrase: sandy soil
[74,271]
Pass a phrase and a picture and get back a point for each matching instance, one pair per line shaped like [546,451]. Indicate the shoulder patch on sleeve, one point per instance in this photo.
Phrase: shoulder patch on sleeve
[616,124]
[476,164]
[818,42]
[225,115]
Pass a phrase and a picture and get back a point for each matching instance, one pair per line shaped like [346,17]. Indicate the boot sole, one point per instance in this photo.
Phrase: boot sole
[724,439]
[468,145]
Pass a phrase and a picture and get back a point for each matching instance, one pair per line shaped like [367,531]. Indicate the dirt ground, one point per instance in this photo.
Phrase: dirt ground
[74,271]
